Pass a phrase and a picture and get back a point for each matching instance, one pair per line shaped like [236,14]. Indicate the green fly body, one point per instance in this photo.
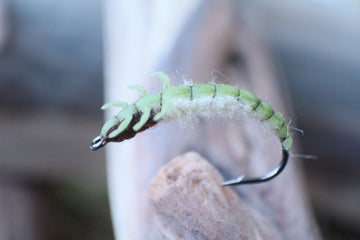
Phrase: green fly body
[178,101]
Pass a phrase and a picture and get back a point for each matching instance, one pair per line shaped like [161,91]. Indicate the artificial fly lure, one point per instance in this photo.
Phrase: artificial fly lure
[183,100]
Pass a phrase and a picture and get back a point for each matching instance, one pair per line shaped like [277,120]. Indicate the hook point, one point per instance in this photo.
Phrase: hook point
[233,181]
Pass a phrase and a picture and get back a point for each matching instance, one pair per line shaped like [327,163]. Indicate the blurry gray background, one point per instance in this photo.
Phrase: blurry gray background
[51,185]
[51,76]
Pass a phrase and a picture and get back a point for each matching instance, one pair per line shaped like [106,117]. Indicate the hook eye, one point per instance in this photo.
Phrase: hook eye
[97,143]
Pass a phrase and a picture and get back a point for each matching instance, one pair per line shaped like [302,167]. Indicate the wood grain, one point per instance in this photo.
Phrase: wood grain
[191,203]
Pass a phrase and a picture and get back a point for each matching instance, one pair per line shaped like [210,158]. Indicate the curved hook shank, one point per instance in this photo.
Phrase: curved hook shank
[267,177]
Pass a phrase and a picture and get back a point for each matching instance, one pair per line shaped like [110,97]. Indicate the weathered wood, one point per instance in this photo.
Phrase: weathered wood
[202,36]
[191,203]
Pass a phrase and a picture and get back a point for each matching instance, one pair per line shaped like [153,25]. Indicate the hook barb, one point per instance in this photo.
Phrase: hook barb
[267,177]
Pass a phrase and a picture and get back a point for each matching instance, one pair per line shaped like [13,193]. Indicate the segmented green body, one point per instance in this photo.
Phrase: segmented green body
[178,101]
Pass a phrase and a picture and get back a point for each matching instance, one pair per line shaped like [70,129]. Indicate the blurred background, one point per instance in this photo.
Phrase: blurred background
[51,88]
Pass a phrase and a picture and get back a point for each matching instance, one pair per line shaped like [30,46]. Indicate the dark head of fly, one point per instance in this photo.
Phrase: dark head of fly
[112,131]
[115,130]
[101,140]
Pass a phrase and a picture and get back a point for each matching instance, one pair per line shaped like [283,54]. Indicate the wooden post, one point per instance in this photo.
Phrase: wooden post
[194,38]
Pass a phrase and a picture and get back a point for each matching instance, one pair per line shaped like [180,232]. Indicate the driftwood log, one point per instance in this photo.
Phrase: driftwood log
[191,203]
[185,199]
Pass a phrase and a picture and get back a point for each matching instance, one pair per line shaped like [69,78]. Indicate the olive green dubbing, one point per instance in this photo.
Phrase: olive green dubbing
[248,98]
[265,110]
[203,90]
[287,143]
[224,90]
[276,121]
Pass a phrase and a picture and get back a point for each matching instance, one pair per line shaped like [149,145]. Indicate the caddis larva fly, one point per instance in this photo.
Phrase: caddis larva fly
[179,101]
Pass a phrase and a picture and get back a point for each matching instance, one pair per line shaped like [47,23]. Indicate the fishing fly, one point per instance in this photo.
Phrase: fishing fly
[179,101]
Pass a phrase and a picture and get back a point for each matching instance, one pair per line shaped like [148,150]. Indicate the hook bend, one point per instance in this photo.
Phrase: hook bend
[267,177]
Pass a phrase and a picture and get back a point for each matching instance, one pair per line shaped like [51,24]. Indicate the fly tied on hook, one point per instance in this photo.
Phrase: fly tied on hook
[204,99]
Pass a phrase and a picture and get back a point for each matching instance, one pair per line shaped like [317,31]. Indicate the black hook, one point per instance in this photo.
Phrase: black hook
[267,177]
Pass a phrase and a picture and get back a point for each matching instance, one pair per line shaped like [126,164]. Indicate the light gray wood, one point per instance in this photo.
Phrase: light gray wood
[202,36]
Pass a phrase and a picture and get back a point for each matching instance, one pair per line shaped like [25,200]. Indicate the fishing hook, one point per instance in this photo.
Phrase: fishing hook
[267,177]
